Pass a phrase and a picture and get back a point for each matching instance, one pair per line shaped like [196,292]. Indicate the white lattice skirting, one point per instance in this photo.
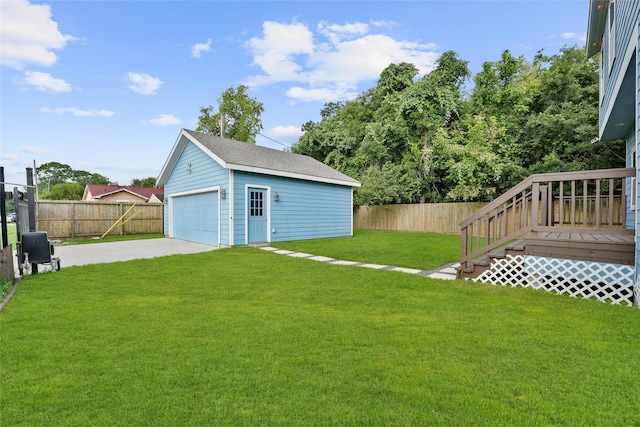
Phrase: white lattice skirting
[586,279]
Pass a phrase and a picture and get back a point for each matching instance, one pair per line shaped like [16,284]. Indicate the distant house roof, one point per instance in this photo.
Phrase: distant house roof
[241,156]
[97,191]
[159,196]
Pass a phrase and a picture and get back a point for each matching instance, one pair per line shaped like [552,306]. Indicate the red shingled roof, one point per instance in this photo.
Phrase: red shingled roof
[98,190]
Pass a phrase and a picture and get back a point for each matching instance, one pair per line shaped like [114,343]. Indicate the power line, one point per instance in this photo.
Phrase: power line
[277,142]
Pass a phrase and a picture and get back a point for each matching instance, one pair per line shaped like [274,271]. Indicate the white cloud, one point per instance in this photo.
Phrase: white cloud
[281,137]
[144,84]
[198,48]
[325,94]
[44,82]
[8,158]
[331,64]
[275,52]
[364,58]
[165,120]
[77,112]
[335,33]
[574,36]
[34,149]
[285,133]
[28,35]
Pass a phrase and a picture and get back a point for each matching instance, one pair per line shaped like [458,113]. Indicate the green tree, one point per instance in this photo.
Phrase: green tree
[477,166]
[241,115]
[564,117]
[52,173]
[65,191]
[432,107]
[149,182]
[384,136]
[411,140]
[84,178]
[396,78]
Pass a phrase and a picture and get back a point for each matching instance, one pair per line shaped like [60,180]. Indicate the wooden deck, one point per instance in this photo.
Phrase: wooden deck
[608,246]
[568,215]
[618,248]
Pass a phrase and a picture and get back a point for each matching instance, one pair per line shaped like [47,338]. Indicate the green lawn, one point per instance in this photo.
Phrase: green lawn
[424,251]
[11,235]
[242,336]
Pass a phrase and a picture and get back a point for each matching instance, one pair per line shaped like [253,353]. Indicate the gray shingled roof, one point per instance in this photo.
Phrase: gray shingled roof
[240,155]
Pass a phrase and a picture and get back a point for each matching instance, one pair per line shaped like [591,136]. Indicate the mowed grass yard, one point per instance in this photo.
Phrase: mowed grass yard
[423,251]
[242,336]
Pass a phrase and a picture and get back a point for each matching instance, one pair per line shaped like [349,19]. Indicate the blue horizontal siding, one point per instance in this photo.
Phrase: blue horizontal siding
[204,173]
[305,210]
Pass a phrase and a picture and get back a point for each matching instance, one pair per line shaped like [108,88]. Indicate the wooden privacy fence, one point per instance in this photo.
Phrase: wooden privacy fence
[425,217]
[61,219]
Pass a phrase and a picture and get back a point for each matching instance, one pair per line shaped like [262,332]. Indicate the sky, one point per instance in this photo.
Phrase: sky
[106,86]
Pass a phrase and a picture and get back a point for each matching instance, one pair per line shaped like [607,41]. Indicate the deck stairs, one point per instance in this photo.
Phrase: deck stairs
[476,267]
[567,214]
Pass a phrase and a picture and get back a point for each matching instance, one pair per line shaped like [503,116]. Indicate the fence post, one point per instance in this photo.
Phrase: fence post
[73,220]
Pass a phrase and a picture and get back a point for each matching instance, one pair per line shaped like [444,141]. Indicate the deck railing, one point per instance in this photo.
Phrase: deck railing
[588,201]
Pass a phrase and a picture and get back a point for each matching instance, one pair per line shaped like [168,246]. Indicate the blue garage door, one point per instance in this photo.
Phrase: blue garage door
[195,218]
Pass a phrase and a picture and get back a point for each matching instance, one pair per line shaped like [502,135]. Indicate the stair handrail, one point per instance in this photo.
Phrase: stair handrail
[491,210]
[546,177]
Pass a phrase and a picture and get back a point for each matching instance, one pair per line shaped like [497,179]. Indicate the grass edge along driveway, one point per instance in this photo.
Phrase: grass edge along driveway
[245,337]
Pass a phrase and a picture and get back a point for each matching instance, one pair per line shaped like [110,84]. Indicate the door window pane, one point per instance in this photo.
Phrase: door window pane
[257,203]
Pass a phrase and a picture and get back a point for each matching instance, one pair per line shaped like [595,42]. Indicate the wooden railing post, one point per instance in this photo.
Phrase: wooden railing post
[535,203]
[545,205]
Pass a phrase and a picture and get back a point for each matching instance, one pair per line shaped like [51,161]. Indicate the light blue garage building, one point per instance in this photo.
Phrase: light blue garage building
[223,192]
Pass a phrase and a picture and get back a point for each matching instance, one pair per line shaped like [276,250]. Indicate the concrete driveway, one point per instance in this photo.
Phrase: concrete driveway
[98,253]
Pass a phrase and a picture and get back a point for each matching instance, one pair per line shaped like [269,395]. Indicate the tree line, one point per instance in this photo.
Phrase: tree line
[59,181]
[416,139]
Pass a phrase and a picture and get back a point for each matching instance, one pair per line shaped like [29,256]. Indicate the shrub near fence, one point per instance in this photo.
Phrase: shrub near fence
[62,219]
[425,217]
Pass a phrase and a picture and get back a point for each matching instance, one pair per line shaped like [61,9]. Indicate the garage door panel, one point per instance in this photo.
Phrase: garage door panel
[195,218]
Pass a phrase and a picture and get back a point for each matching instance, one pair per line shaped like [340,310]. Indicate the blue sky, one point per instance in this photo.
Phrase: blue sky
[106,86]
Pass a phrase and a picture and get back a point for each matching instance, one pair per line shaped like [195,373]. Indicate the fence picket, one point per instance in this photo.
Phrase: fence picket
[62,219]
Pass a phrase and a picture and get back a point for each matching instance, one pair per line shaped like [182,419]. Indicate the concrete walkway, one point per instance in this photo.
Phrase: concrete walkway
[446,272]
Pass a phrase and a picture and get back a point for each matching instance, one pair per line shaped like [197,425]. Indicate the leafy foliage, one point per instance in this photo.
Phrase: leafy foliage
[65,191]
[59,181]
[148,182]
[241,115]
[422,139]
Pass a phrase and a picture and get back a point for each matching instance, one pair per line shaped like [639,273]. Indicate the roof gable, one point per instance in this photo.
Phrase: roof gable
[97,190]
[241,156]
